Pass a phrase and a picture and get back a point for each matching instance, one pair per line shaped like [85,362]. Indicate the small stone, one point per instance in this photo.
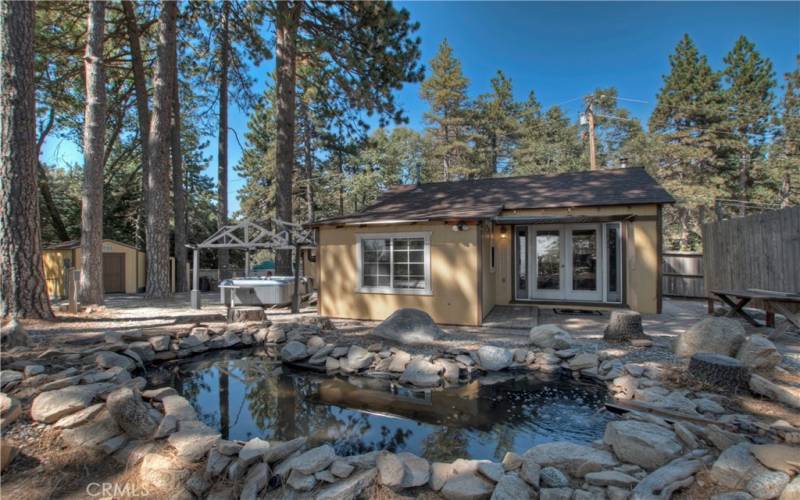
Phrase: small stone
[768,485]
[79,418]
[493,358]
[217,462]
[399,361]
[278,451]
[193,440]
[511,461]
[8,377]
[228,448]
[467,487]
[341,469]
[131,413]
[792,491]
[108,359]
[253,450]
[440,473]
[511,487]
[197,483]
[349,488]
[573,459]
[421,373]
[416,470]
[301,482]
[160,343]
[530,472]
[314,460]
[325,476]
[390,469]
[167,426]
[294,351]
[33,370]
[583,361]
[492,470]
[314,344]
[610,478]
[735,467]
[159,394]
[778,457]
[550,477]
[180,408]
[555,494]
[255,481]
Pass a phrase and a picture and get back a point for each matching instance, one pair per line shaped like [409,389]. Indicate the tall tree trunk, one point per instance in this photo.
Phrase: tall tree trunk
[223,258]
[140,88]
[158,180]
[178,194]
[90,289]
[744,180]
[23,290]
[309,163]
[285,68]
[341,183]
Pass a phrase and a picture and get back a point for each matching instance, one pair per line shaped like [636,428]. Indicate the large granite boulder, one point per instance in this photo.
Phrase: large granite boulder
[575,459]
[716,335]
[408,326]
[550,336]
[647,445]
[493,358]
[735,467]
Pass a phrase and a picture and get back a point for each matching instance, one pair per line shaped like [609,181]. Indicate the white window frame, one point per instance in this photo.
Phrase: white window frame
[426,235]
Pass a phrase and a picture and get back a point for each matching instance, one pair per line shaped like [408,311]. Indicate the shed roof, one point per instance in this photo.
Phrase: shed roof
[69,245]
[486,198]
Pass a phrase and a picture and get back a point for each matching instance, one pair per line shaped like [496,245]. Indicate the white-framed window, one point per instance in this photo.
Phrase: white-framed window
[394,263]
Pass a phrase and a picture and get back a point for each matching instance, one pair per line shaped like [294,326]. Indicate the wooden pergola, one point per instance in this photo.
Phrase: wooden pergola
[272,234]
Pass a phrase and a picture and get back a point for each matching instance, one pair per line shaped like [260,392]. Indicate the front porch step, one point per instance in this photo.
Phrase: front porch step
[512,317]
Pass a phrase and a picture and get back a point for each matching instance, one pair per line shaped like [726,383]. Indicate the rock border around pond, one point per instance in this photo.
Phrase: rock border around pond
[660,444]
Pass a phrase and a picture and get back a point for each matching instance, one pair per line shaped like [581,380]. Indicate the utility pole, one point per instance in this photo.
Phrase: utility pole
[590,120]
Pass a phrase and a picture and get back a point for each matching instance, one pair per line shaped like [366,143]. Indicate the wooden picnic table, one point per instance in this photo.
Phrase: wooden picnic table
[774,302]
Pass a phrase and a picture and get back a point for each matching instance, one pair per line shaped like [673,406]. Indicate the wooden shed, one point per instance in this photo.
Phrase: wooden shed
[123,267]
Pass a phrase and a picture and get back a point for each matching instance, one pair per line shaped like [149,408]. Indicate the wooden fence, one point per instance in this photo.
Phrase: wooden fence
[757,251]
[682,275]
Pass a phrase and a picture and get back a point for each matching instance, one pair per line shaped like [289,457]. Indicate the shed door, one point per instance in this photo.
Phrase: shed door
[114,272]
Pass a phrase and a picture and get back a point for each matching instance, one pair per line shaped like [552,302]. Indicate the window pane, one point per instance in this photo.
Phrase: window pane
[584,259]
[416,269]
[400,244]
[375,262]
[400,256]
[416,256]
[417,244]
[548,259]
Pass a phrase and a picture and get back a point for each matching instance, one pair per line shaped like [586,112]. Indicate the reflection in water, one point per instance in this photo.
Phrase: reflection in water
[251,396]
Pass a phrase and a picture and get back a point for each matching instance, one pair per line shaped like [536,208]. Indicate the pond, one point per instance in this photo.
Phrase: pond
[243,394]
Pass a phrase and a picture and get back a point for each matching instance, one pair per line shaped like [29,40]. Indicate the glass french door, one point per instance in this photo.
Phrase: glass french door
[570,262]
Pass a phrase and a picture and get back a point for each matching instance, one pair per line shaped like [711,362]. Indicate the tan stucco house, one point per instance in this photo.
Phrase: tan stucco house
[457,249]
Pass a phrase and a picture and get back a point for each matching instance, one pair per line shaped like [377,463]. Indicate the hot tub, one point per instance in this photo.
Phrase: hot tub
[275,290]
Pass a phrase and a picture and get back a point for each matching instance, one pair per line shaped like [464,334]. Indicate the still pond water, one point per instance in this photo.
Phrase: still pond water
[245,395]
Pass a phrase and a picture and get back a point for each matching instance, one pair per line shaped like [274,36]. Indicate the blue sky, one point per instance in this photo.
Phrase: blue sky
[564,50]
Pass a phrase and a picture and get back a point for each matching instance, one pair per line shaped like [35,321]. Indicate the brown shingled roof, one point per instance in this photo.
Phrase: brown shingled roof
[485,198]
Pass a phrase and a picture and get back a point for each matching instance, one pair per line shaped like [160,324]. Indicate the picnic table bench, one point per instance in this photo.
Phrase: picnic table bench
[779,302]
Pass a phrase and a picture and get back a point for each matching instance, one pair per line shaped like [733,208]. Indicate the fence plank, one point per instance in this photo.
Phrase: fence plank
[757,251]
[682,274]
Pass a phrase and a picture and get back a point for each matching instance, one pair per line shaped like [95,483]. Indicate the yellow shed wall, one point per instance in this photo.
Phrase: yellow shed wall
[54,266]
[455,297]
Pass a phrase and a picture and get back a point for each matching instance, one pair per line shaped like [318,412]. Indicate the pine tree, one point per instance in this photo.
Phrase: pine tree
[90,289]
[689,123]
[785,157]
[445,89]
[548,143]
[496,124]
[749,80]
[616,130]
[23,291]
[158,182]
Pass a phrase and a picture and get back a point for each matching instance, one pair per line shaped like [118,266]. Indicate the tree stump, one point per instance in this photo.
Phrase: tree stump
[719,370]
[242,314]
[624,326]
